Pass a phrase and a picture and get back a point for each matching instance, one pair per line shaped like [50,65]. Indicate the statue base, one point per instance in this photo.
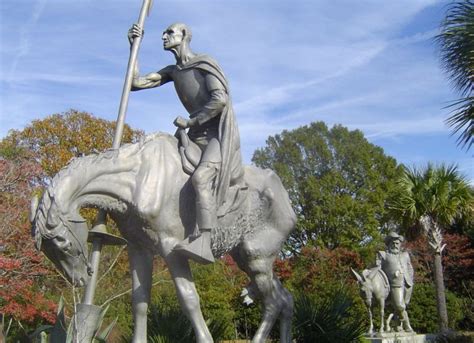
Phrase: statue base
[399,337]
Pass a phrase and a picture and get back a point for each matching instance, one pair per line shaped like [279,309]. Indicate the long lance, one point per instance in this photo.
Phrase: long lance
[127,86]
[98,235]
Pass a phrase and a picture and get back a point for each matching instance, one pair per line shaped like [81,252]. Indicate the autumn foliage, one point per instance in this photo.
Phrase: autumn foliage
[59,137]
[28,160]
[21,266]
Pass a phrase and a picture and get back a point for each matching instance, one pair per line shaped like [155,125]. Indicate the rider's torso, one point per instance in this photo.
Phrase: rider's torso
[190,85]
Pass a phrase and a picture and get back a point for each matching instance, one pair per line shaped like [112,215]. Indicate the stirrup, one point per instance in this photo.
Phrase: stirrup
[197,248]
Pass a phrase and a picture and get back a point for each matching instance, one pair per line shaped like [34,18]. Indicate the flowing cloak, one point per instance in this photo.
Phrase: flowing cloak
[231,167]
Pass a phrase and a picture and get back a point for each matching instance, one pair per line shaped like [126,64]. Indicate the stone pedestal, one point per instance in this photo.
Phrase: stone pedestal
[400,337]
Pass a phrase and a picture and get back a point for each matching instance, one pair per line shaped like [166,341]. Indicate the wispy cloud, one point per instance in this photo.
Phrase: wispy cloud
[61,78]
[414,126]
[24,43]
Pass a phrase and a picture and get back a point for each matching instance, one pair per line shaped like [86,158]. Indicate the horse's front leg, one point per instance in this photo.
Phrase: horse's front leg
[141,268]
[188,296]
[371,320]
[382,314]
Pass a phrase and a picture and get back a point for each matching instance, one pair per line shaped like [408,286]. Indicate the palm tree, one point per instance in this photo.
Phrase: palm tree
[456,42]
[433,198]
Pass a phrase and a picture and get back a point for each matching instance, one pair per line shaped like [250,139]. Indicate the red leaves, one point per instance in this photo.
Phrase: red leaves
[21,266]
[283,269]
[458,260]
[8,264]
[27,306]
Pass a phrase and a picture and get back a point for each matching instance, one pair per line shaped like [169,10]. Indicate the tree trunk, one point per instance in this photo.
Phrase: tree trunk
[435,240]
[440,293]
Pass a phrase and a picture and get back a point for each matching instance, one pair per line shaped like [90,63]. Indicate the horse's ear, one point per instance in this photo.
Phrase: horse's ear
[53,218]
[33,207]
[359,278]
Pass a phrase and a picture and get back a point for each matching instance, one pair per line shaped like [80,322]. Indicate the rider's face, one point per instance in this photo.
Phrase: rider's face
[172,37]
[395,246]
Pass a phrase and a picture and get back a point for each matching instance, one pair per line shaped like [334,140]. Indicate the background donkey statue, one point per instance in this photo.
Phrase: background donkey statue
[374,284]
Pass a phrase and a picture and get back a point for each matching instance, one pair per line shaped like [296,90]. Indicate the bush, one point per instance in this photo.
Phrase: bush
[422,309]
[326,321]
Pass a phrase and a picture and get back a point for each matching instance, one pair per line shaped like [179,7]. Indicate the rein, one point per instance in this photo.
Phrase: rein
[60,231]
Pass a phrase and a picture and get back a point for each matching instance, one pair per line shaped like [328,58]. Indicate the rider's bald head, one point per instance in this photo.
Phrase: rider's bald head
[184,29]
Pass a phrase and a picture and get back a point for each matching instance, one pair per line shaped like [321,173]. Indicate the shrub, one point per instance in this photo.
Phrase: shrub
[327,321]
[422,309]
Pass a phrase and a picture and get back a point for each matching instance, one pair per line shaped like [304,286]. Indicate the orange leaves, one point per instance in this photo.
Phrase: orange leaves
[60,137]
[28,159]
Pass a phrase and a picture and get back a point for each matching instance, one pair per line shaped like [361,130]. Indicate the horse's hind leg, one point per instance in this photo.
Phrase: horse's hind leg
[286,315]
[276,300]
[188,296]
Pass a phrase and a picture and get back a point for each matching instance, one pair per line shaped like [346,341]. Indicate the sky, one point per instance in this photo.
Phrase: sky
[367,65]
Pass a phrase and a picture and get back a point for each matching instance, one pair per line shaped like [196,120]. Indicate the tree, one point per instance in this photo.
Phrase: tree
[338,184]
[433,198]
[456,42]
[53,141]
[21,267]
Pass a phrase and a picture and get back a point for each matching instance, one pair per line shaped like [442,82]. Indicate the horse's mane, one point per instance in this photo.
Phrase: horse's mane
[124,151]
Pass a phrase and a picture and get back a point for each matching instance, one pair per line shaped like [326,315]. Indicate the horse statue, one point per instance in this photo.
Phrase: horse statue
[146,192]
[374,284]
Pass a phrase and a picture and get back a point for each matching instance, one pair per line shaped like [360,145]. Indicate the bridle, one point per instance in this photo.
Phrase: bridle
[60,231]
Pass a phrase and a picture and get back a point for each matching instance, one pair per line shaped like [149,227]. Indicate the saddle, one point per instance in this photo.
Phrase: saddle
[190,158]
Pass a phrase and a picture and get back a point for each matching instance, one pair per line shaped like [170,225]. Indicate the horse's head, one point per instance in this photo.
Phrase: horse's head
[365,286]
[62,238]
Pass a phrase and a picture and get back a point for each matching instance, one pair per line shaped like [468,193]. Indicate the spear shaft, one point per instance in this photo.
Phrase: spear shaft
[129,76]
[101,216]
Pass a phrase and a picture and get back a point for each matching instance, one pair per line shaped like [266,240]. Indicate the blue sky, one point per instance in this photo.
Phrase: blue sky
[368,65]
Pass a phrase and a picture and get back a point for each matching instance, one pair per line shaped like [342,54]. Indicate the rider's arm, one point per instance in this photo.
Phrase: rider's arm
[150,80]
[410,271]
[216,103]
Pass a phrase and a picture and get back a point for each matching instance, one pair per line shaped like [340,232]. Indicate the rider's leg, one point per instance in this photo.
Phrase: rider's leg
[203,181]
[398,302]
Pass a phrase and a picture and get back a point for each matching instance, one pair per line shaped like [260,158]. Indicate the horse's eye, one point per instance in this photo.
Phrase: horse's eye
[62,243]
[67,247]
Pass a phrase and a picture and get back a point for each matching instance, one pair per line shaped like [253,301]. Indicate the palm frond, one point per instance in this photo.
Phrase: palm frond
[440,192]
[456,43]
[461,121]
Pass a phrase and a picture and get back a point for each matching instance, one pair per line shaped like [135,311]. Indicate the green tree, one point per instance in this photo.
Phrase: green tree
[338,184]
[432,199]
[456,42]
